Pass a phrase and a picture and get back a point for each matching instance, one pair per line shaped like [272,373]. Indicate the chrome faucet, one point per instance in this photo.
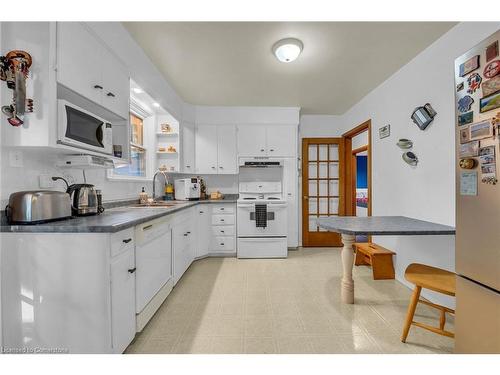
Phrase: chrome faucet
[154,180]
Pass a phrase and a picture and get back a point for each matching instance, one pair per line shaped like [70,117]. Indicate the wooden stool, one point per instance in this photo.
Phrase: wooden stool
[378,257]
[435,279]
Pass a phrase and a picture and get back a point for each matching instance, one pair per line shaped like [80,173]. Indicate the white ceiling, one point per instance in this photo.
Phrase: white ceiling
[231,63]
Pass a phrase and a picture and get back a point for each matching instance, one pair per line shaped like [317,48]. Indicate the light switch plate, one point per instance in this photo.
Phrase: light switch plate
[45,181]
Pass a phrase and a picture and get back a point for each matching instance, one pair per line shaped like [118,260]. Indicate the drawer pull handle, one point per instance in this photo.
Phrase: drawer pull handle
[110,94]
[127,240]
[262,150]
[188,232]
[222,244]
[132,270]
[201,212]
[222,208]
[148,227]
[185,234]
[98,87]
[222,231]
[221,219]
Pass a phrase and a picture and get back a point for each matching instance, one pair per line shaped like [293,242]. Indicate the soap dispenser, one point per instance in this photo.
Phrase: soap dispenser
[143,196]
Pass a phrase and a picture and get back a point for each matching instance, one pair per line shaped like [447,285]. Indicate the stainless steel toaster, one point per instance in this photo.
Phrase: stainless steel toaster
[38,206]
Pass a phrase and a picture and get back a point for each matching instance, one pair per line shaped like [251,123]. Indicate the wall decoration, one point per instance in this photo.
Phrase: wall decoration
[423,116]
[491,86]
[489,173]
[384,131]
[465,118]
[464,135]
[489,150]
[404,144]
[410,158]
[14,69]
[465,103]
[492,69]
[467,163]
[480,130]
[468,149]
[468,183]
[460,86]
[492,51]
[469,66]
[474,82]
[490,102]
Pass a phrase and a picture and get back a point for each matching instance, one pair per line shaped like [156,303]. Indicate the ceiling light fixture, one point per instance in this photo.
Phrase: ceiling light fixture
[137,90]
[157,105]
[287,50]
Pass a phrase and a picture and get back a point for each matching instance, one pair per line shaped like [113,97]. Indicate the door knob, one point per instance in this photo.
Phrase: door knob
[306,197]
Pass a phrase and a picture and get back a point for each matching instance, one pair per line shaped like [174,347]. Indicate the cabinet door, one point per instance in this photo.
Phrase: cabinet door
[123,300]
[116,85]
[281,140]
[188,145]
[204,226]
[79,62]
[251,140]
[206,149]
[226,149]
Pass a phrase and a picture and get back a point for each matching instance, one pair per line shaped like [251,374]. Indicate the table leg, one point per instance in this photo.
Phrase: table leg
[347,285]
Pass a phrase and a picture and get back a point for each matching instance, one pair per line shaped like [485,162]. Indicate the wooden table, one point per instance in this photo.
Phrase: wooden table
[350,226]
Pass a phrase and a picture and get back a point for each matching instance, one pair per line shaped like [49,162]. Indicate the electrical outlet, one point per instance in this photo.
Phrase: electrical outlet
[45,181]
[16,159]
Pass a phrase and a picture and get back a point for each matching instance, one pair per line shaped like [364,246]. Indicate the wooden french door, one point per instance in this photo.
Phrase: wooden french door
[322,188]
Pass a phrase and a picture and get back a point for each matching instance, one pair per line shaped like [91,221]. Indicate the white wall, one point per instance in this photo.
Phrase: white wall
[426,191]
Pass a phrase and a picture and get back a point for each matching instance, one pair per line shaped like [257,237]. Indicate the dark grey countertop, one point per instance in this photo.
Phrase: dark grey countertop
[111,221]
[383,225]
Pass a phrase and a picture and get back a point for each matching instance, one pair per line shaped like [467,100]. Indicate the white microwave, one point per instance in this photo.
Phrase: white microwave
[80,128]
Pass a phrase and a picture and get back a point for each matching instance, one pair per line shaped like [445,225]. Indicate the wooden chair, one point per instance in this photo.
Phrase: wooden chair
[435,279]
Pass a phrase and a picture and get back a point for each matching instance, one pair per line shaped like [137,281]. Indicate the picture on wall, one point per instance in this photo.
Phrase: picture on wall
[480,130]
[490,102]
[468,149]
[491,86]
[464,135]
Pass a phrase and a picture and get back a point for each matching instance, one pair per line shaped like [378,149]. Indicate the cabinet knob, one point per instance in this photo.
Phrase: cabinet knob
[222,231]
[110,94]
[271,150]
[127,240]
[99,87]
[213,167]
[202,212]
[222,244]
[188,232]
[132,270]
[188,166]
[221,219]
[221,167]
[262,150]
[222,208]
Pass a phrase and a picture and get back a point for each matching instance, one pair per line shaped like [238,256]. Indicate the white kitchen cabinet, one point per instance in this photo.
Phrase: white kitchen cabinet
[216,151]
[188,148]
[184,241]
[267,140]
[203,226]
[206,149]
[252,140]
[226,149]
[123,299]
[86,66]
[223,229]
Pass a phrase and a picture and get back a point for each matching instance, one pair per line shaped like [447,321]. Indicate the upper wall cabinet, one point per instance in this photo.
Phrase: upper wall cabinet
[188,147]
[267,140]
[87,67]
[216,149]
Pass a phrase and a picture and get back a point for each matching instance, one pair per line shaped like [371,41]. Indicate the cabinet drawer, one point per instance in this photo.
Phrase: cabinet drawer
[223,219]
[222,244]
[122,241]
[223,230]
[223,209]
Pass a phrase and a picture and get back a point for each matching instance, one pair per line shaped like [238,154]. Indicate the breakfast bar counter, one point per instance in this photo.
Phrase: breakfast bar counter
[350,226]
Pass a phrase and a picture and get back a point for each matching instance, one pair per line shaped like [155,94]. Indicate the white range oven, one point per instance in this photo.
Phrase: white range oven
[261,221]
[80,128]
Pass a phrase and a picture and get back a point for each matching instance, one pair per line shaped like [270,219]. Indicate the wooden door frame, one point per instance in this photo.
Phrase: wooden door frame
[350,167]
[335,240]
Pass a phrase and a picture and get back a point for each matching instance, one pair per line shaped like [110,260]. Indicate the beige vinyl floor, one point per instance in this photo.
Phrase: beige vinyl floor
[229,305]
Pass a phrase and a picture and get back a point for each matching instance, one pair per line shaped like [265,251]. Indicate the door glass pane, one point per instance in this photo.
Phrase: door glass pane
[321,229]
[323,152]
[334,152]
[323,170]
[313,153]
[334,187]
[323,206]
[334,205]
[313,188]
[334,170]
[313,206]
[323,187]
[313,173]
[312,224]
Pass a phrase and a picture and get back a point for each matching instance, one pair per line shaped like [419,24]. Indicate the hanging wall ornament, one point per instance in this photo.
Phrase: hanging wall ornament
[460,86]
[492,51]
[410,158]
[474,82]
[465,103]
[465,118]
[492,69]
[14,69]
[491,86]
[469,66]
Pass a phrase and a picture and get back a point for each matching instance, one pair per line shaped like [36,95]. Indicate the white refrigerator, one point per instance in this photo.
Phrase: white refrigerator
[477,88]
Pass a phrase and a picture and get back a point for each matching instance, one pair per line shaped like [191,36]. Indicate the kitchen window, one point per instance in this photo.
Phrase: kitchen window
[138,150]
